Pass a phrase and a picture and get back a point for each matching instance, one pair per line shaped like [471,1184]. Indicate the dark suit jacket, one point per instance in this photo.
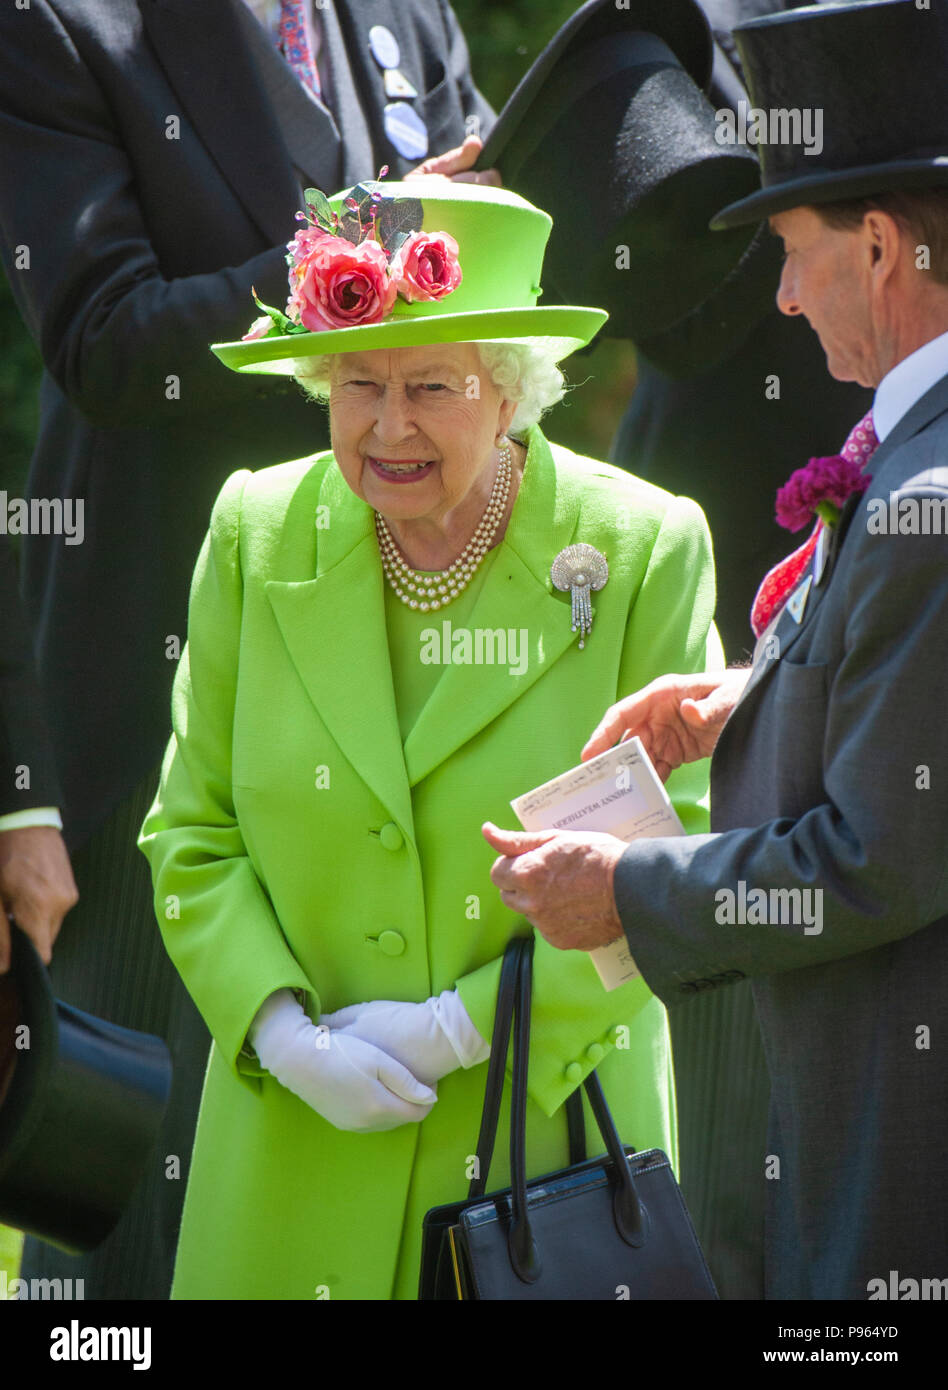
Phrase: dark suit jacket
[716,435]
[24,740]
[147,174]
[832,774]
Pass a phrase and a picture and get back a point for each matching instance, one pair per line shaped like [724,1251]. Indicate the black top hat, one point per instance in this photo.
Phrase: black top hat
[874,74]
[81,1102]
[609,132]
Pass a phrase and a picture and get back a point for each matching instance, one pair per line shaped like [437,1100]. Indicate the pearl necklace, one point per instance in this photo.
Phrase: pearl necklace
[444,586]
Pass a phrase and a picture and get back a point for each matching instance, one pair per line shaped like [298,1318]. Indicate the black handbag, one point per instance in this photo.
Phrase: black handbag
[613,1227]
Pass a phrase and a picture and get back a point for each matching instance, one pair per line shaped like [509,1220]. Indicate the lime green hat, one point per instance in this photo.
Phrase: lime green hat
[488,290]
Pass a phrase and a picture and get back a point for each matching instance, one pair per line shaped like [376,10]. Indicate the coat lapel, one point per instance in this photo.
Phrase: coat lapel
[226,104]
[335,633]
[785,633]
[347,73]
[308,128]
[517,595]
[355,21]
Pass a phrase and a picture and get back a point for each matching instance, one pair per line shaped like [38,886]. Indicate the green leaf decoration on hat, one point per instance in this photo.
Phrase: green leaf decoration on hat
[358,220]
[368,212]
[315,199]
[396,220]
[281,324]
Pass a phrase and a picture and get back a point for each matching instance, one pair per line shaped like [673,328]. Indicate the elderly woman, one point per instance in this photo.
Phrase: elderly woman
[377,662]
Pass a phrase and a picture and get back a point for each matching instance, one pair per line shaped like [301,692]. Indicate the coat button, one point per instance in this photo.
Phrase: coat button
[391,837]
[595,1053]
[391,943]
[574,1072]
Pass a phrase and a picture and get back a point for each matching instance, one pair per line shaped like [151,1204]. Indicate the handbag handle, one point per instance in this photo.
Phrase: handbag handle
[500,1038]
[513,1004]
[521,1246]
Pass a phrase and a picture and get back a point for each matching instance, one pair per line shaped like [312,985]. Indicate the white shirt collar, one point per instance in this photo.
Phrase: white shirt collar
[907,383]
[267,11]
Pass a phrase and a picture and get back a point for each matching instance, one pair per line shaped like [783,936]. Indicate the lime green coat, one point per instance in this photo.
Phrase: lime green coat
[295,842]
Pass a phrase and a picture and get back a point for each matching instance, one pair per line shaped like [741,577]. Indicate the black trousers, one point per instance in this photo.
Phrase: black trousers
[109,960]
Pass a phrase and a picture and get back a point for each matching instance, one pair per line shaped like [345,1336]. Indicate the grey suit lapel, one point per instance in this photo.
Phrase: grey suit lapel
[357,159]
[309,131]
[923,412]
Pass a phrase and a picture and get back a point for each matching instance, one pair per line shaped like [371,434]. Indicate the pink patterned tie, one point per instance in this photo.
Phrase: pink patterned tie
[780,582]
[294,43]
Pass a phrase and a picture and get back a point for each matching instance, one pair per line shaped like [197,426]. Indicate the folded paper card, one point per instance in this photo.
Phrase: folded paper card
[618,793]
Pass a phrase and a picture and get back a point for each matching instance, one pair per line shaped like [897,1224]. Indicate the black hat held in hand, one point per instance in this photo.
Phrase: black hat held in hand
[610,132]
[81,1102]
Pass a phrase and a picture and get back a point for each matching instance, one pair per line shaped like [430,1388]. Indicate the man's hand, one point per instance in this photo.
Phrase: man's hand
[678,718]
[561,881]
[458,165]
[37,888]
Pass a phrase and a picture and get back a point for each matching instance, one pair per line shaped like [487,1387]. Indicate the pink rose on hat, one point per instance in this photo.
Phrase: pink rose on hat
[305,242]
[338,284]
[426,266]
[301,249]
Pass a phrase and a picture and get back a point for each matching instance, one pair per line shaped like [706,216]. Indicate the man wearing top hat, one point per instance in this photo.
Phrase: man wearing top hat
[824,878]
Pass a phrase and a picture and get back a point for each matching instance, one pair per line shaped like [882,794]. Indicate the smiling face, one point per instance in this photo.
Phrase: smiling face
[414,430]
[827,277]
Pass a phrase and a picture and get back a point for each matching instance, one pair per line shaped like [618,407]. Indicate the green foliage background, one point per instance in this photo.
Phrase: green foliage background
[504,37]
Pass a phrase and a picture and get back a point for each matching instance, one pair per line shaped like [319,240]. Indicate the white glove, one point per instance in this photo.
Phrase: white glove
[430,1039]
[351,1083]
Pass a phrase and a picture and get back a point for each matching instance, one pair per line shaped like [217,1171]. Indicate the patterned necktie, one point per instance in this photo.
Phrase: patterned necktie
[780,582]
[294,44]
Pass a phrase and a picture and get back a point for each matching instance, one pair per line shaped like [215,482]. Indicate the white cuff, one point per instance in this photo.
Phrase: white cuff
[455,1021]
[274,1023]
[22,820]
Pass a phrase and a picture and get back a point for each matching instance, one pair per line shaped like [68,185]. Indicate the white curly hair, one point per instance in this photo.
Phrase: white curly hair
[526,373]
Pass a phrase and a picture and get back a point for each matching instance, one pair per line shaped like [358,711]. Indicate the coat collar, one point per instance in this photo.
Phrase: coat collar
[785,633]
[230,112]
[335,631]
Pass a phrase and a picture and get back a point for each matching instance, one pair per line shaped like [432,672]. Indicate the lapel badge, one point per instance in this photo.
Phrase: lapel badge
[398,85]
[384,46]
[797,600]
[580,568]
[820,555]
[406,130]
